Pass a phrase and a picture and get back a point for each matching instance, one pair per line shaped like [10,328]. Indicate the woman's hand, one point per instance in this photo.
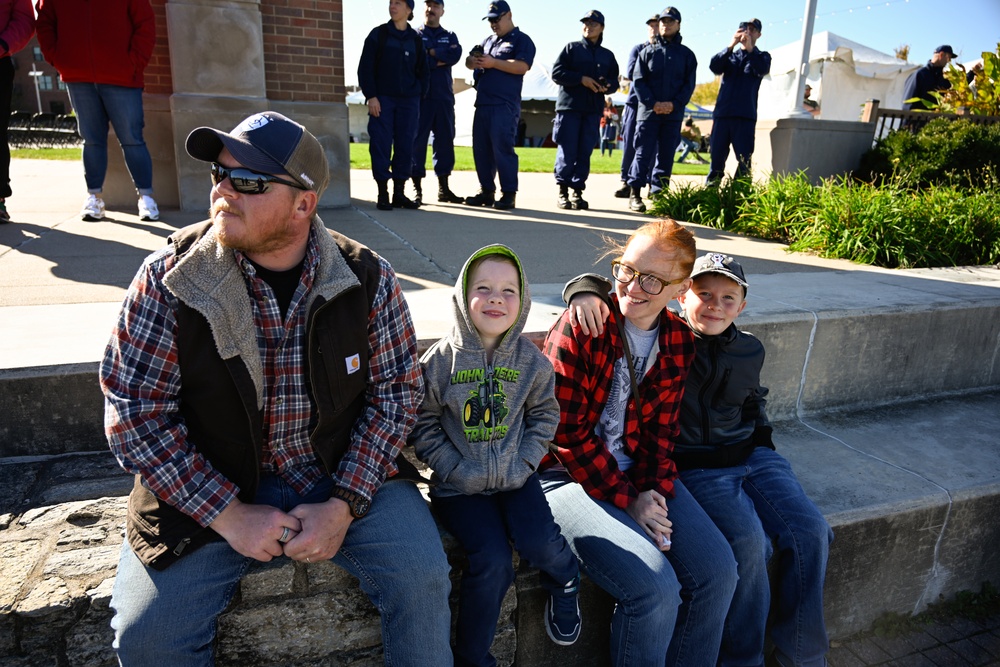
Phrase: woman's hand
[649,510]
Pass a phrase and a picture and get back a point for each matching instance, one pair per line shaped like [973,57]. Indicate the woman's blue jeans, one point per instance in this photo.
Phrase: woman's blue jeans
[753,504]
[169,617]
[671,605]
[98,104]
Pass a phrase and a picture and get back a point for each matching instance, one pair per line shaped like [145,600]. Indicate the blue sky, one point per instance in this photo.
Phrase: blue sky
[969,26]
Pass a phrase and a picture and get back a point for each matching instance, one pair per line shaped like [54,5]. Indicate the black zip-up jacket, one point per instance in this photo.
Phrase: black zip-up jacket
[577,60]
[393,63]
[722,414]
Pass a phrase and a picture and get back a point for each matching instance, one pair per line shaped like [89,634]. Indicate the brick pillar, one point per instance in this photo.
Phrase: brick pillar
[216,63]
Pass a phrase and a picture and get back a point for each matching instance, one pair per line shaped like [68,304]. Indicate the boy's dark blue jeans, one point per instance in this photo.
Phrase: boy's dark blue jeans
[486,525]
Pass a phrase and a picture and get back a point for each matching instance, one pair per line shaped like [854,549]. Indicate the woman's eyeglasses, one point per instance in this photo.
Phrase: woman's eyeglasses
[246,181]
[649,283]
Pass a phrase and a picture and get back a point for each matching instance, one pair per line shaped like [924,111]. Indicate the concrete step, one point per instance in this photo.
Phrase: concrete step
[878,338]
[912,491]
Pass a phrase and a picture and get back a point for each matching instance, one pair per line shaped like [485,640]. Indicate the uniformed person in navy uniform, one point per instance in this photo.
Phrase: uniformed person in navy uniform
[585,71]
[632,106]
[664,79]
[498,68]
[393,77]
[437,111]
[735,115]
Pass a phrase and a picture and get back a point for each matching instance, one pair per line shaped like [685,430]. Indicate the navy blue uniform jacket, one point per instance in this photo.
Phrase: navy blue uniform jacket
[400,70]
[664,72]
[741,75]
[577,60]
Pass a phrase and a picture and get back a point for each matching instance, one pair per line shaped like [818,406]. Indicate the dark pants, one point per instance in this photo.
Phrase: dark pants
[628,139]
[6,90]
[437,116]
[655,141]
[485,526]
[392,135]
[738,132]
[494,129]
[575,135]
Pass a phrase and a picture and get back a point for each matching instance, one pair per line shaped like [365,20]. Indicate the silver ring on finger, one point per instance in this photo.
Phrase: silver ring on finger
[285,534]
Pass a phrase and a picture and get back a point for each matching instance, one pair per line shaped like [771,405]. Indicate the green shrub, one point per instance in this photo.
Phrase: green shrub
[891,225]
[943,151]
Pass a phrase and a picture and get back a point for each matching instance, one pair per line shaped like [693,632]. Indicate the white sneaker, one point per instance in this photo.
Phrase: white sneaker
[93,209]
[148,209]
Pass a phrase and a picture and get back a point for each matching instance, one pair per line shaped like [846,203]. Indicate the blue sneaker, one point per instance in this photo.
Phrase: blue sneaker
[562,613]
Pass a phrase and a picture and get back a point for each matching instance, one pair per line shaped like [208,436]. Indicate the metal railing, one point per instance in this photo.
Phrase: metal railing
[41,130]
[887,120]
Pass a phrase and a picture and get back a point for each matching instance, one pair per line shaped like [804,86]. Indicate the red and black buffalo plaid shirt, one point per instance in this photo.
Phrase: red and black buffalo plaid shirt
[584,372]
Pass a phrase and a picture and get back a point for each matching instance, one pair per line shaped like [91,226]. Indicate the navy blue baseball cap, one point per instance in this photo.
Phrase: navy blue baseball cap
[269,143]
[671,13]
[945,48]
[594,15]
[755,23]
[497,9]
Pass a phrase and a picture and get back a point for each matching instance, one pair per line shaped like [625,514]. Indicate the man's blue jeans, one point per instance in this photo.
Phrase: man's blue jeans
[97,104]
[486,526]
[671,605]
[752,504]
[169,617]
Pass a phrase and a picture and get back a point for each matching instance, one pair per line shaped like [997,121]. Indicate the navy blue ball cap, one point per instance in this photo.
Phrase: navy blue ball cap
[497,9]
[671,13]
[594,15]
[945,48]
[269,143]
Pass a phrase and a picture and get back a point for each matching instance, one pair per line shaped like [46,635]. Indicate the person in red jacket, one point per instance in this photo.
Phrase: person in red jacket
[17,25]
[101,50]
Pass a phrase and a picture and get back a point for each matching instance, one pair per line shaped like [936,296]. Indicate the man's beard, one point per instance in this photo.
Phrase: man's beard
[263,237]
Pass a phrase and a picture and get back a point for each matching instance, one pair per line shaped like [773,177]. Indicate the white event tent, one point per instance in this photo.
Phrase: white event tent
[843,75]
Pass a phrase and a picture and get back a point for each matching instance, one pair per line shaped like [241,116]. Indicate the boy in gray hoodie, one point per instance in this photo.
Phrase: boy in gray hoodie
[487,420]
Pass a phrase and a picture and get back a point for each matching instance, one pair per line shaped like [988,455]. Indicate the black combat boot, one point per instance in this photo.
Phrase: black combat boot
[635,201]
[482,198]
[399,198]
[418,190]
[577,200]
[624,191]
[563,200]
[382,203]
[506,201]
[445,195]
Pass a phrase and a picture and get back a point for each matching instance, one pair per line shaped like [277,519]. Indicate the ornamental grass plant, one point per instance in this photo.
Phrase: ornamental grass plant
[930,199]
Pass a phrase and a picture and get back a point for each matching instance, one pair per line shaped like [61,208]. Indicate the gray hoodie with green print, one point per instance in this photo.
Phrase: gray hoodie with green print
[484,427]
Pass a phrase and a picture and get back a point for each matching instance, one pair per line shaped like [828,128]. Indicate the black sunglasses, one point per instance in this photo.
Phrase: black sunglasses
[495,19]
[247,181]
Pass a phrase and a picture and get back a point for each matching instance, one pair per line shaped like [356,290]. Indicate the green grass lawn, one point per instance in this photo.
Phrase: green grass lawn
[73,153]
[532,160]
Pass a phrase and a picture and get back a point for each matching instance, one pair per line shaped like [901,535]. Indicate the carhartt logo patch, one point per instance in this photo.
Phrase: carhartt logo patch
[353,363]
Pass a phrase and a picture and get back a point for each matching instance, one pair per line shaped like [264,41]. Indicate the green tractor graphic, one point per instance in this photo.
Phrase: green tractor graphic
[487,404]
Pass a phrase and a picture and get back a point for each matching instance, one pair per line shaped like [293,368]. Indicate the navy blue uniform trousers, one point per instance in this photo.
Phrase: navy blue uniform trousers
[736,131]
[656,140]
[437,116]
[575,134]
[494,130]
[391,137]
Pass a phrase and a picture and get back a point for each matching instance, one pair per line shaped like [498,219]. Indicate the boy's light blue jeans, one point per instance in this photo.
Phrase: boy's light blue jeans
[169,617]
[97,104]
[751,504]
[671,605]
